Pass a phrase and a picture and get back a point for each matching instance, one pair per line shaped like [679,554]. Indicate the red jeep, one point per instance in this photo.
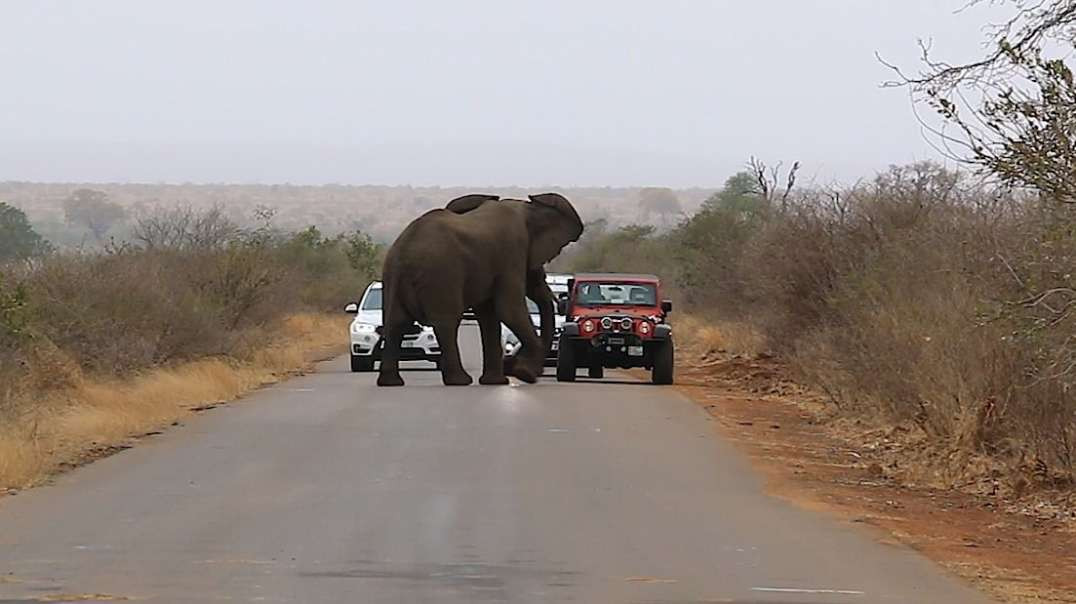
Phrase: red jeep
[615,320]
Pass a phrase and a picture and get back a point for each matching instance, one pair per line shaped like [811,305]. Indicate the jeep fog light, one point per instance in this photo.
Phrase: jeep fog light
[606,323]
[625,323]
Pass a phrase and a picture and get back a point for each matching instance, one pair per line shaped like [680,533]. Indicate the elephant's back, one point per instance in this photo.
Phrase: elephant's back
[442,245]
[432,243]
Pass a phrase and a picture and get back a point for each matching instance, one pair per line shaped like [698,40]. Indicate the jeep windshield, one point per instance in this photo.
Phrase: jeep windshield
[616,294]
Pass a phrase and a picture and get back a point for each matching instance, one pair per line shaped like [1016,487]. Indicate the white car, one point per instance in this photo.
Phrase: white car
[559,284]
[366,334]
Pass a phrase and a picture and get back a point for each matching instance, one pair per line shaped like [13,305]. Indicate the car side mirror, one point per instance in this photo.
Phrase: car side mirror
[352,309]
[666,306]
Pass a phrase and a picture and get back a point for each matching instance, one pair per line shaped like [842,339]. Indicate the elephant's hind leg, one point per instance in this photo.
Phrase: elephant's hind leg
[492,355]
[452,373]
[390,353]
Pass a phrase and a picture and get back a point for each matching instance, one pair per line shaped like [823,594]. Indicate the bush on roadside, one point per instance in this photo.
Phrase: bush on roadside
[917,298]
[191,285]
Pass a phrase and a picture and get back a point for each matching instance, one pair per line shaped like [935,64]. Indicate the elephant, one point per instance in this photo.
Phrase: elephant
[479,252]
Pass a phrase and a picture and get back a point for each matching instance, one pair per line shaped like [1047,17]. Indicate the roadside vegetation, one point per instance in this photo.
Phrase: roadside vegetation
[97,345]
[920,298]
[939,301]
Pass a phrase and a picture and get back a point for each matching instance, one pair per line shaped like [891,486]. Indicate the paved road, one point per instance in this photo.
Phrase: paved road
[327,489]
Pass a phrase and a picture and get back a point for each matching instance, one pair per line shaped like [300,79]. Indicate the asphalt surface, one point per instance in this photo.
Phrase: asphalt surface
[328,489]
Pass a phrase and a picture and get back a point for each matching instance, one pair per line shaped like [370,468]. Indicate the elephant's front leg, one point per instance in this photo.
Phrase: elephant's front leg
[492,354]
[389,374]
[452,373]
[530,359]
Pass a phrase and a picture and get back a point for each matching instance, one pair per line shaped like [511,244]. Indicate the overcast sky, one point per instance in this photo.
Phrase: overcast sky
[609,92]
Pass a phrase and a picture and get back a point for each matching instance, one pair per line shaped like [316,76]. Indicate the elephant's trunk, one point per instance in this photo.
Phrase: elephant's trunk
[546,325]
[538,291]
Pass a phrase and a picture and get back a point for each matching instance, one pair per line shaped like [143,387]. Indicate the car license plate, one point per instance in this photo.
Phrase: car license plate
[616,341]
[635,351]
[409,344]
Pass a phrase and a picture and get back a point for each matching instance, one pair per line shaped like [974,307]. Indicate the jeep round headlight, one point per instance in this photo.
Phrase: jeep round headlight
[588,326]
[607,323]
[625,323]
[644,327]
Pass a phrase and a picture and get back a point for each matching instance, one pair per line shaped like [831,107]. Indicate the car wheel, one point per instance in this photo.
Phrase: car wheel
[566,361]
[596,372]
[663,364]
[362,363]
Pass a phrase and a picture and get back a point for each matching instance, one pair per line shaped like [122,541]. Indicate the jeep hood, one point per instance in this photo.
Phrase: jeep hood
[620,310]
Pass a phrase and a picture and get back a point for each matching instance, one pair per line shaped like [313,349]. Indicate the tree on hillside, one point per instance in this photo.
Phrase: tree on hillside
[739,197]
[711,242]
[18,239]
[660,201]
[629,248]
[182,227]
[92,209]
[1012,113]
[363,254]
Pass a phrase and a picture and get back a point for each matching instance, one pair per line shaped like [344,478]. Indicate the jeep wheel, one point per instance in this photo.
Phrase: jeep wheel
[566,361]
[663,364]
[362,363]
[596,372]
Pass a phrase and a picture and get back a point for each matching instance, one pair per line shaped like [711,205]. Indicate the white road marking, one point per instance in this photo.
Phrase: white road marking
[795,590]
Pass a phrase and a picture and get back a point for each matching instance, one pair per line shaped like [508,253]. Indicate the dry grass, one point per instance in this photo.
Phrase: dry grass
[717,336]
[73,424]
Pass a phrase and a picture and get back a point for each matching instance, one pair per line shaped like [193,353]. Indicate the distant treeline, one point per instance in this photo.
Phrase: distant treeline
[90,214]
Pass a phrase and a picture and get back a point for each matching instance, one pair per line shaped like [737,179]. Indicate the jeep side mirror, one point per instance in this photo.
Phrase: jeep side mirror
[352,309]
[666,306]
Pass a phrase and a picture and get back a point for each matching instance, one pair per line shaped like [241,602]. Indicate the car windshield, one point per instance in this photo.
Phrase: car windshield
[601,294]
[372,301]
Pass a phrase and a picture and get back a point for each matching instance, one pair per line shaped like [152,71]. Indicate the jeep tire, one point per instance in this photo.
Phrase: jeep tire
[566,361]
[663,363]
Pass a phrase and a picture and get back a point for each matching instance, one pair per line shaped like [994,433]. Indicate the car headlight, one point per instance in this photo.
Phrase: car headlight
[363,327]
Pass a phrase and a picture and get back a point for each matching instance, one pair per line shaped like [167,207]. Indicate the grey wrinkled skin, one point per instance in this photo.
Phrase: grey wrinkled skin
[479,252]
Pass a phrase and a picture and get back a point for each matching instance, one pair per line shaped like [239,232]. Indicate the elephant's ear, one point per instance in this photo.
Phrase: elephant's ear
[462,205]
[559,203]
[552,223]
